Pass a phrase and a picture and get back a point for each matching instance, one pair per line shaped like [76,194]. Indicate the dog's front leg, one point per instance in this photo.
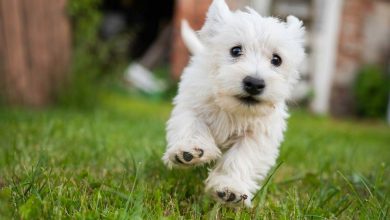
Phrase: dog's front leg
[189,140]
[236,176]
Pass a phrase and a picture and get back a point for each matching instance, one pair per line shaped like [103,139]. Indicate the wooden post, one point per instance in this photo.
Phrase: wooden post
[34,50]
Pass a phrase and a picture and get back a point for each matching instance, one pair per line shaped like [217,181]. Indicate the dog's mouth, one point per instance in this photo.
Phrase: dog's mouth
[248,100]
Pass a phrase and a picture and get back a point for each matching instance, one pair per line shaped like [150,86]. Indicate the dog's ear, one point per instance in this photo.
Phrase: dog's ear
[295,28]
[217,14]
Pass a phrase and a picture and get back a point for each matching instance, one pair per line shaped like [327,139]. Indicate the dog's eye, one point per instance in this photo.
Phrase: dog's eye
[276,60]
[236,51]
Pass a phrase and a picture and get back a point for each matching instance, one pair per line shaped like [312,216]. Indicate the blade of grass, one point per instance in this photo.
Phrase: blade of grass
[268,179]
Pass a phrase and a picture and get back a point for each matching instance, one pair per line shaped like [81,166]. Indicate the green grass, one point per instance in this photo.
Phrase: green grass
[105,163]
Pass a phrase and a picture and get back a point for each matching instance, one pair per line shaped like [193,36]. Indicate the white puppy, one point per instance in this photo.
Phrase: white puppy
[231,106]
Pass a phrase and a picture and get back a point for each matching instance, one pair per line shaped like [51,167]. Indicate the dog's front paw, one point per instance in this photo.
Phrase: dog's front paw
[191,157]
[230,192]
[188,156]
[230,196]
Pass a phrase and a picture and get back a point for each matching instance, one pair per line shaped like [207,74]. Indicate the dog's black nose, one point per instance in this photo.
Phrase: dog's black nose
[253,86]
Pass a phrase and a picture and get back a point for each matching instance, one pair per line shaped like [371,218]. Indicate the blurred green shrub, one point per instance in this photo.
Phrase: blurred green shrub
[371,91]
[93,60]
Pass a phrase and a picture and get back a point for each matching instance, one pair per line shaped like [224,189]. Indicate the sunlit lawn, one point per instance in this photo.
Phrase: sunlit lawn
[105,163]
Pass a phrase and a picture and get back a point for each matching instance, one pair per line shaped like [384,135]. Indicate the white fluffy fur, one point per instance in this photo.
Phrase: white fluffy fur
[210,123]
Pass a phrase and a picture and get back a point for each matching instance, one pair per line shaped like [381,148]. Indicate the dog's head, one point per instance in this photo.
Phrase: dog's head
[252,60]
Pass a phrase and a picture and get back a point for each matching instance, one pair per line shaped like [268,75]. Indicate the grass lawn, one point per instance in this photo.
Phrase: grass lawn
[105,163]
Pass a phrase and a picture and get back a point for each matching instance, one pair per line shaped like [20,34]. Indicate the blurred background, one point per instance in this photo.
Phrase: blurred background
[68,52]
[86,88]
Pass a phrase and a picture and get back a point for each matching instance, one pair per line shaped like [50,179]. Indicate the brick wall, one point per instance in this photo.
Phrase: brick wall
[349,57]
[194,11]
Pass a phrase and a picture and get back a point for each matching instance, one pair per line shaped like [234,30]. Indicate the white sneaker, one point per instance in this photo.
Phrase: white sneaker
[143,79]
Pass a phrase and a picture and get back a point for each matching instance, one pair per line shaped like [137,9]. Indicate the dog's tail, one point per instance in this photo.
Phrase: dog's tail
[190,38]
